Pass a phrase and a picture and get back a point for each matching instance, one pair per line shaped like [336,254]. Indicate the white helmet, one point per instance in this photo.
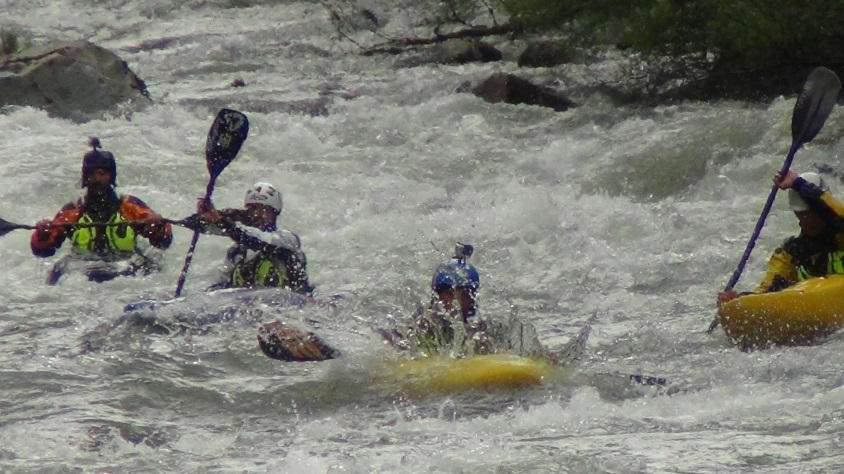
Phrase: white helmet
[266,194]
[796,202]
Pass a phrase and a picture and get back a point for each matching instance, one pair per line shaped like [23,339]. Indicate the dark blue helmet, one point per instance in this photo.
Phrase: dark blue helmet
[96,159]
[456,274]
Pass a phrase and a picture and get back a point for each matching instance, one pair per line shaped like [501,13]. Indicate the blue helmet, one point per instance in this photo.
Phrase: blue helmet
[457,273]
[97,158]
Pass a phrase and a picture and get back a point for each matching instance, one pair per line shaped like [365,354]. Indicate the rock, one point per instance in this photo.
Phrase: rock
[314,107]
[515,90]
[76,80]
[455,51]
[8,43]
[354,20]
[465,51]
[545,54]
[153,44]
[373,23]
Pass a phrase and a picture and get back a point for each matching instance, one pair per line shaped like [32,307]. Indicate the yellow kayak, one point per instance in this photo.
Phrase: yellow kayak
[482,372]
[799,314]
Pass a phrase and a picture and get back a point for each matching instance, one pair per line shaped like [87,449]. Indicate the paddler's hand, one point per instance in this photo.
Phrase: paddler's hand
[726,296]
[152,225]
[44,230]
[207,213]
[204,205]
[211,217]
[785,181]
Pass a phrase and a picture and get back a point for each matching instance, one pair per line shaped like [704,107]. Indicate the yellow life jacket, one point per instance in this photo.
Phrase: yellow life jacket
[119,238]
[834,266]
[259,271]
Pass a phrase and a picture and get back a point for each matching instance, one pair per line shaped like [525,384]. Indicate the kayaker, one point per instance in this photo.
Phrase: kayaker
[263,255]
[108,251]
[451,321]
[819,248]
[453,306]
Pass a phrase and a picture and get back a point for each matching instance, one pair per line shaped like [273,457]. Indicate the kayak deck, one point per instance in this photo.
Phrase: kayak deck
[800,314]
[483,372]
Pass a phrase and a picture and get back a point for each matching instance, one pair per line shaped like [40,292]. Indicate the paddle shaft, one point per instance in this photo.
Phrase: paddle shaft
[11,226]
[758,229]
[183,276]
[761,222]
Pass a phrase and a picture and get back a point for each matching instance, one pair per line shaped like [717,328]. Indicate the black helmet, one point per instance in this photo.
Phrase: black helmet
[98,159]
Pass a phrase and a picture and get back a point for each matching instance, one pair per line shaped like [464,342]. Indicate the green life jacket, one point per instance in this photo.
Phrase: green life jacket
[259,272]
[120,239]
[834,266]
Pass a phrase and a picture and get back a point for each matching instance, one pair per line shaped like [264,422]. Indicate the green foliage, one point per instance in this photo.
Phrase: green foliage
[541,14]
[458,9]
[740,32]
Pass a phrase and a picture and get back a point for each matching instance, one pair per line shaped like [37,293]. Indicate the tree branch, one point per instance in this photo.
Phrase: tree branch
[399,45]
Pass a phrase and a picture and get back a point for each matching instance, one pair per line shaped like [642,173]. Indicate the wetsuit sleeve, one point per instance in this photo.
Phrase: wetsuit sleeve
[160,235]
[194,222]
[822,202]
[277,245]
[46,245]
[781,273]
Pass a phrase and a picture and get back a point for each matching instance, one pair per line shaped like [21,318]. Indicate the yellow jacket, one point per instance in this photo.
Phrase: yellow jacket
[803,257]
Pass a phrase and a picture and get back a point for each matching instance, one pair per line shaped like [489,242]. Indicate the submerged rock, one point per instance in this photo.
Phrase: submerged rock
[465,51]
[546,54]
[77,80]
[314,107]
[515,90]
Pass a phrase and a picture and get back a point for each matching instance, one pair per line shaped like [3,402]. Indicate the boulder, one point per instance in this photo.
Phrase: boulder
[454,51]
[460,51]
[545,54]
[77,80]
[8,43]
[515,90]
[354,20]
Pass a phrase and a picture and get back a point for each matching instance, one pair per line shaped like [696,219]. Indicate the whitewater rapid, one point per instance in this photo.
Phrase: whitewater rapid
[638,215]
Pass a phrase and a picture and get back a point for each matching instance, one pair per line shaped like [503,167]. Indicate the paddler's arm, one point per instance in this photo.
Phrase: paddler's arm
[821,201]
[152,226]
[209,220]
[781,272]
[49,235]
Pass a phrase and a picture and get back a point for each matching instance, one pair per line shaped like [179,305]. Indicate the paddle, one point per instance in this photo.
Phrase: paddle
[813,106]
[289,344]
[6,226]
[227,134]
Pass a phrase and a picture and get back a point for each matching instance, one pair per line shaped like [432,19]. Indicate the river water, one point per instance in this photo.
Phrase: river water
[637,215]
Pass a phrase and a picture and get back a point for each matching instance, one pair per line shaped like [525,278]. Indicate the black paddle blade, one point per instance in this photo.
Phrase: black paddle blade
[227,134]
[289,344]
[820,92]
[6,227]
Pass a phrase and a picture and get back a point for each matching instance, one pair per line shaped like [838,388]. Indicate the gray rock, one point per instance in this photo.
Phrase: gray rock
[546,54]
[465,51]
[77,80]
[454,51]
[354,19]
[515,90]
[8,43]
[314,107]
